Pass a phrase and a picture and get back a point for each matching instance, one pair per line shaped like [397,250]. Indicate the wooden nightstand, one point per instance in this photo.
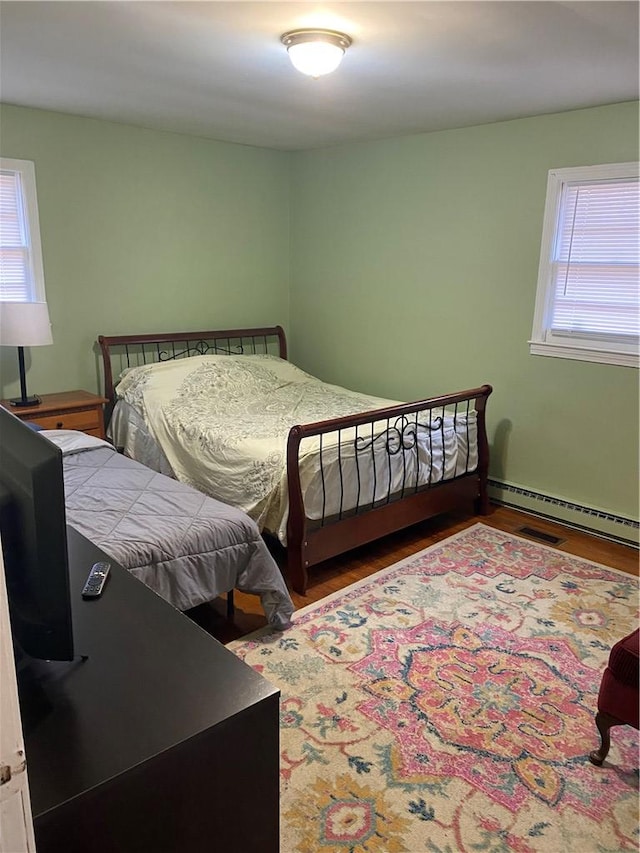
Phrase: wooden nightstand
[66,410]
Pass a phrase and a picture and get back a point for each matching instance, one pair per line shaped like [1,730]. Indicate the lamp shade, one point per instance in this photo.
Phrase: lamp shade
[24,324]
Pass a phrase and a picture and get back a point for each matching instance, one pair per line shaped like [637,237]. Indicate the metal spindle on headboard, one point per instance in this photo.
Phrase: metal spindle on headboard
[166,346]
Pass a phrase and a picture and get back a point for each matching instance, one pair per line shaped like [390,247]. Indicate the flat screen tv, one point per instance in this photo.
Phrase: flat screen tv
[33,531]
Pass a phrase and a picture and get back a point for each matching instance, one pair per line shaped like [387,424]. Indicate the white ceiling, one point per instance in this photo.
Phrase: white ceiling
[218,70]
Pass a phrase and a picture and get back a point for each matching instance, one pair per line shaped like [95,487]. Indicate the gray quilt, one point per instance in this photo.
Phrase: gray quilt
[186,546]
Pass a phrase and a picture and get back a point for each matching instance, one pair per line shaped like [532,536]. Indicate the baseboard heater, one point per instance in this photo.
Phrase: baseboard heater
[595,521]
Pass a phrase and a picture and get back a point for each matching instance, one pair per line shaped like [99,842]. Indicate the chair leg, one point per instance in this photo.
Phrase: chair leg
[231,609]
[604,722]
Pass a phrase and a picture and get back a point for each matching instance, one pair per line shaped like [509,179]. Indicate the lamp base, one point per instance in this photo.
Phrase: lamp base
[25,401]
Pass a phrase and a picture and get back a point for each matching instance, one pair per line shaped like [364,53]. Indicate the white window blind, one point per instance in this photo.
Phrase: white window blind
[21,272]
[589,283]
[595,269]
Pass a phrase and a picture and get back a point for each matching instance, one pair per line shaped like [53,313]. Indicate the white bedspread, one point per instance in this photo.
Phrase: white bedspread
[222,421]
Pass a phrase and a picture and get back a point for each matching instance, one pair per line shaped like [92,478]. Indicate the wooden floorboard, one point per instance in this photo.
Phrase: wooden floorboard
[348,568]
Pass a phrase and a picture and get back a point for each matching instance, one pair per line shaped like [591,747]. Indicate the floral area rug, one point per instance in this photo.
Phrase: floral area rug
[447,704]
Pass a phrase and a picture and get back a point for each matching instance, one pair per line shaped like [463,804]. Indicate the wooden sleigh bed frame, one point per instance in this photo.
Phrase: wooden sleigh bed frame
[311,541]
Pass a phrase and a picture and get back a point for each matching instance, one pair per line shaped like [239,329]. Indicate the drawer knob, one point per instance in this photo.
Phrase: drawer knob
[59,425]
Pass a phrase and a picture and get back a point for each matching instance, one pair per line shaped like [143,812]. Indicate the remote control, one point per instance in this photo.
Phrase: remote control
[96,580]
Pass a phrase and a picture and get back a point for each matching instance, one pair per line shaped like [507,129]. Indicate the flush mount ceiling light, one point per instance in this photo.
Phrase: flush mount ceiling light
[315,52]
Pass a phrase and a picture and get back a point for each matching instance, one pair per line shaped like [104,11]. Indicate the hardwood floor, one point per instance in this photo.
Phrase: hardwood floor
[357,564]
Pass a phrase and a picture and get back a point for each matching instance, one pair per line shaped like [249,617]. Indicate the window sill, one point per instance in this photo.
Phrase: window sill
[625,359]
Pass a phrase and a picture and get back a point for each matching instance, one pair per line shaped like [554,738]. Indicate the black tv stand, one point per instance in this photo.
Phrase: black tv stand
[161,740]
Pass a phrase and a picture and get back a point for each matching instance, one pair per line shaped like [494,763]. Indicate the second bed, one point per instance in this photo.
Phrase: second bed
[186,546]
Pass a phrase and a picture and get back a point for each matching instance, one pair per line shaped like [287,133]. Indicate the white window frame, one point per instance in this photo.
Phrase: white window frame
[27,175]
[544,341]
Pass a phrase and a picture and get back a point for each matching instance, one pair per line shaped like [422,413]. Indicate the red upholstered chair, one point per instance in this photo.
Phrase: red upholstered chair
[619,697]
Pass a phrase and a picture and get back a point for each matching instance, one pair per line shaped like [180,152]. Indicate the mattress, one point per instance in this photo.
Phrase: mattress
[186,546]
[221,422]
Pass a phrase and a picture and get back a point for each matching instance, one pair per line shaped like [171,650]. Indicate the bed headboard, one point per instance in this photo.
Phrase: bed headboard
[122,351]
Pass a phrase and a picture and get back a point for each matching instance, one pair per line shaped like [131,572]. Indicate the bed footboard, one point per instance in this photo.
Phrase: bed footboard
[376,472]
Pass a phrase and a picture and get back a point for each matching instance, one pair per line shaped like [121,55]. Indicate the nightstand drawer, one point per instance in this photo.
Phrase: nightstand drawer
[98,432]
[86,420]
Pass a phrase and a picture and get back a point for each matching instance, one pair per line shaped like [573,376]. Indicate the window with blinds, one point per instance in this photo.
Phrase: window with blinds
[21,271]
[588,300]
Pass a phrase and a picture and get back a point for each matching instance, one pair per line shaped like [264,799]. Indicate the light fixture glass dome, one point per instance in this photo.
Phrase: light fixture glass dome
[315,58]
[315,52]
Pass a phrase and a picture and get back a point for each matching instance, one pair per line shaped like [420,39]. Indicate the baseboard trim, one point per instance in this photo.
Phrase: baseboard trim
[595,521]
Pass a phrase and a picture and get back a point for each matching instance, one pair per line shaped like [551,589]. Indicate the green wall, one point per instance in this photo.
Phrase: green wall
[146,231]
[404,268]
[414,270]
